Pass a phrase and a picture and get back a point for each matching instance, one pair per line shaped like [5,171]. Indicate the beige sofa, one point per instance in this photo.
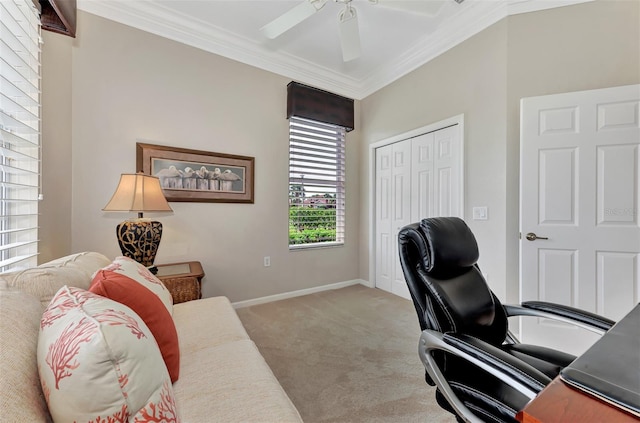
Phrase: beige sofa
[223,377]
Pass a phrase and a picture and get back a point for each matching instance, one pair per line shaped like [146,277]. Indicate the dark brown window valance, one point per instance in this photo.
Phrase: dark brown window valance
[59,16]
[322,106]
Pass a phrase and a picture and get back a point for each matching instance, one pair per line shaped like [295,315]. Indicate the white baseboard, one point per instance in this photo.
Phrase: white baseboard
[292,294]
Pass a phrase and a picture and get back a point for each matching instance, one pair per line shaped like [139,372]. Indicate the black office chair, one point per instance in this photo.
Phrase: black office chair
[482,373]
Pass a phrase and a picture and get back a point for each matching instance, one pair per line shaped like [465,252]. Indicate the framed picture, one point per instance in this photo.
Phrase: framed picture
[198,176]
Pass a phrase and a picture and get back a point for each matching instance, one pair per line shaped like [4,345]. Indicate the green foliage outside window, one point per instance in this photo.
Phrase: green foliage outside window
[307,225]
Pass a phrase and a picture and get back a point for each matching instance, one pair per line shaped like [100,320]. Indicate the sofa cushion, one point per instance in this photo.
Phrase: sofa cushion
[148,306]
[206,323]
[99,361]
[21,397]
[137,272]
[245,388]
[45,280]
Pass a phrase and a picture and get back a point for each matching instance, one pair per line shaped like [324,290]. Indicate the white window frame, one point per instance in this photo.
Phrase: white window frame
[317,164]
[19,133]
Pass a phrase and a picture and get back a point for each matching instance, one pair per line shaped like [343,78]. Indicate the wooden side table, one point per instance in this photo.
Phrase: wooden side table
[183,280]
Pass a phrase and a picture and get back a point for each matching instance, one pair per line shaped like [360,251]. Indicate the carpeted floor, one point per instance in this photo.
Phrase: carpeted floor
[347,355]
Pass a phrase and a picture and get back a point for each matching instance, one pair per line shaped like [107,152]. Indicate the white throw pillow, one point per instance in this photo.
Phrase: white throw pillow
[98,362]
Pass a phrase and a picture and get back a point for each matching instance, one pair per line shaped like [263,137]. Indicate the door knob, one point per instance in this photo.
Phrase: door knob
[532,237]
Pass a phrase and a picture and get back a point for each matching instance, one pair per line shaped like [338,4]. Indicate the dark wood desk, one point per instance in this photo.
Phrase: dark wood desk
[559,402]
[602,385]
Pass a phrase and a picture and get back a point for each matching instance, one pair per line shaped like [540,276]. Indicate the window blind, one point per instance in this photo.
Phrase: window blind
[19,133]
[316,183]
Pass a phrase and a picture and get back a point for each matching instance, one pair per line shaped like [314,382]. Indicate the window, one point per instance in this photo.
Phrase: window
[19,133]
[316,183]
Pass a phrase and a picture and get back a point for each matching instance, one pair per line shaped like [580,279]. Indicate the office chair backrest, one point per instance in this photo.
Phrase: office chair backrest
[438,257]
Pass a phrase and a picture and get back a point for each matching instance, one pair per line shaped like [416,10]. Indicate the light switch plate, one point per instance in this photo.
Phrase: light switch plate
[480,213]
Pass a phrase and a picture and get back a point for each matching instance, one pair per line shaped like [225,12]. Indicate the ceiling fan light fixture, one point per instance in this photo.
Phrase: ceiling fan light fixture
[292,18]
[349,33]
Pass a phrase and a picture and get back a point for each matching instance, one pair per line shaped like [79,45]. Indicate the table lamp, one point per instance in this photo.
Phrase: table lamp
[139,238]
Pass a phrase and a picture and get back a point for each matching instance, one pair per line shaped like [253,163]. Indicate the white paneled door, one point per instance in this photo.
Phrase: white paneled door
[580,197]
[415,178]
[393,189]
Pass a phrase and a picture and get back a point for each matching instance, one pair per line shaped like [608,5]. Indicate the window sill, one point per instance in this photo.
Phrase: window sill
[299,247]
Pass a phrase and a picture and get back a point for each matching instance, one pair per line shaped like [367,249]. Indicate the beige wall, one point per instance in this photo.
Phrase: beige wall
[55,208]
[468,79]
[129,85]
[572,48]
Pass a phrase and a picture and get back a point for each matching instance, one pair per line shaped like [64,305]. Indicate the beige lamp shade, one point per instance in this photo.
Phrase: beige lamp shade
[138,192]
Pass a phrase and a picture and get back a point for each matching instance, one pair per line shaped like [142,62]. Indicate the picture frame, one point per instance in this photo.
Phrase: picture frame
[188,175]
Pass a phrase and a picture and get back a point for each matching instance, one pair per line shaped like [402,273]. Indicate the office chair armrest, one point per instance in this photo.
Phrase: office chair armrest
[519,375]
[500,362]
[577,317]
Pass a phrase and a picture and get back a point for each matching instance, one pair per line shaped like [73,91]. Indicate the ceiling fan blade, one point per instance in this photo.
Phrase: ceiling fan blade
[291,18]
[422,7]
[349,34]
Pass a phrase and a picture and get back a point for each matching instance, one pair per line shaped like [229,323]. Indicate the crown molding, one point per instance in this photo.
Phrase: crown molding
[475,18]
[525,6]
[154,18]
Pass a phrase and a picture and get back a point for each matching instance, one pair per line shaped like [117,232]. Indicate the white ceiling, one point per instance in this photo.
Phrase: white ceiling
[394,41]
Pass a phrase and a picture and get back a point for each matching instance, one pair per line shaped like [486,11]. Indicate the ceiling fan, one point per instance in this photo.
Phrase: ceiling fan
[347,20]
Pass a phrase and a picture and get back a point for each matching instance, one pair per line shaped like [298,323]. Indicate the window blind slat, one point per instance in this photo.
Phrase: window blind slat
[17,171]
[311,154]
[328,140]
[9,231]
[11,108]
[16,245]
[16,125]
[12,90]
[17,185]
[315,131]
[13,261]
[17,155]
[10,139]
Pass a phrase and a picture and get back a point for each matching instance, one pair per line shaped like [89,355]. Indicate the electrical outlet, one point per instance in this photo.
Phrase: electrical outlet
[267,261]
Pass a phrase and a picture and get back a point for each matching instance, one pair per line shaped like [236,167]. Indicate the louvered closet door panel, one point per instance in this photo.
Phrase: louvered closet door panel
[384,234]
[422,170]
[401,187]
[436,174]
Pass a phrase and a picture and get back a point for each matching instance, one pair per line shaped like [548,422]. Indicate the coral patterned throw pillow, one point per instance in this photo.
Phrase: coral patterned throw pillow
[148,307]
[98,362]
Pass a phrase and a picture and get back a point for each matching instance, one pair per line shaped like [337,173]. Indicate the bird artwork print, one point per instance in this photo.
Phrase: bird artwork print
[203,178]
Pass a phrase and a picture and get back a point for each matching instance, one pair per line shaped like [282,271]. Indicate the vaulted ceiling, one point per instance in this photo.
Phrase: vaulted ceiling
[396,36]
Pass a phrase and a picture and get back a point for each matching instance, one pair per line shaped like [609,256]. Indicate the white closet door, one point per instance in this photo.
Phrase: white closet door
[448,172]
[422,173]
[401,206]
[415,178]
[436,174]
[384,202]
